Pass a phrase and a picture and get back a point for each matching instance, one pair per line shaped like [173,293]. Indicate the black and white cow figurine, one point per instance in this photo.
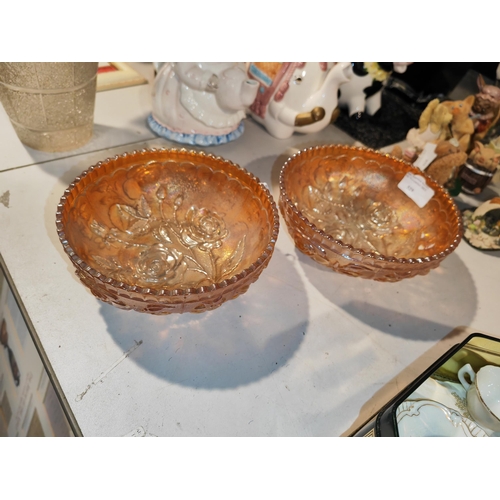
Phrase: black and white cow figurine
[363,92]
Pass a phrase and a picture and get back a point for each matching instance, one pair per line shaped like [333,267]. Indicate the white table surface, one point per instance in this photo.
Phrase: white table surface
[305,352]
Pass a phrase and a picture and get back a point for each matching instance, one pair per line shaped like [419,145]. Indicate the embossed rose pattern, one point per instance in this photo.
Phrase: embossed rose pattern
[159,250]
[160,264]
[335,206]
[204,229]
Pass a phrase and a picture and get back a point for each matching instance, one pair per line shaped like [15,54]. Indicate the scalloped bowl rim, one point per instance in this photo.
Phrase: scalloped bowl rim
[165,292]
[346,246]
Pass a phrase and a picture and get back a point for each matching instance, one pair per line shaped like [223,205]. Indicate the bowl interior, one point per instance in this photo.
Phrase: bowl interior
[168,220]
[352,195]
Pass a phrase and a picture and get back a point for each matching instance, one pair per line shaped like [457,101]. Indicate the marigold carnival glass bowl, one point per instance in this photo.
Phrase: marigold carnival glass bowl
[167,231]
[342,207]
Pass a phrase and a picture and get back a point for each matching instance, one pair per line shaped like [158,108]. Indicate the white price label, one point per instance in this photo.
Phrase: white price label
[426,157]
[415,187]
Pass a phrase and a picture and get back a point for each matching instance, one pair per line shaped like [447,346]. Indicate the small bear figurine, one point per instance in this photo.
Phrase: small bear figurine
[433,126]
[444,169]
[462,127]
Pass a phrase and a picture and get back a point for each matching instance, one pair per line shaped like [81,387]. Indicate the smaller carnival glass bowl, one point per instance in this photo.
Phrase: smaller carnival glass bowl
[343,207]
[167,231]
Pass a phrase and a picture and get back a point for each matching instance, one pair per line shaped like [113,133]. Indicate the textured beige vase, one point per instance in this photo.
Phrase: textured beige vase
[50,105]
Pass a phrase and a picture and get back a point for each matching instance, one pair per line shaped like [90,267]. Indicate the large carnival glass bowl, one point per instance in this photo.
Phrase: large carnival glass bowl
[343,207]
[167,231]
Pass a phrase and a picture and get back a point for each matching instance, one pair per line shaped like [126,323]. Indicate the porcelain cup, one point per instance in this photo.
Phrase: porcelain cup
[483,394]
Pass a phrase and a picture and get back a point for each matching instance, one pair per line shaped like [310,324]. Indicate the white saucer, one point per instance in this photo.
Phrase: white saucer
[439,408]
[425,417]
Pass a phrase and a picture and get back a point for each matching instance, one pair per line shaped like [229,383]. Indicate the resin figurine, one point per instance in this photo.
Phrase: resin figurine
[363,92]
[486,109]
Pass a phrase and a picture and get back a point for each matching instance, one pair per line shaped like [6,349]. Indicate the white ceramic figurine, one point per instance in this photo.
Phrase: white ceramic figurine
[201,103]
[296,97]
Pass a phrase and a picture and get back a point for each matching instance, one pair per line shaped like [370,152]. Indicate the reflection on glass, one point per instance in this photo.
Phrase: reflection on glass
[461,398]
[4,340]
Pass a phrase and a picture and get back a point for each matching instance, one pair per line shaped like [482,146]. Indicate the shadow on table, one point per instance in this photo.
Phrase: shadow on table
[420,308]
[244,340]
